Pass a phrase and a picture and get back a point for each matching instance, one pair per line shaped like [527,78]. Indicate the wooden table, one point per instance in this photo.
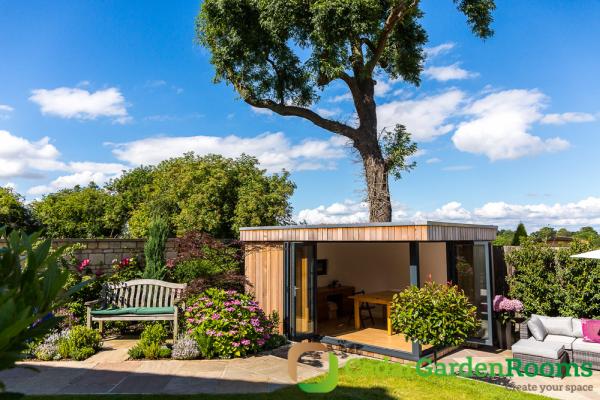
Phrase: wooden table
[385,298]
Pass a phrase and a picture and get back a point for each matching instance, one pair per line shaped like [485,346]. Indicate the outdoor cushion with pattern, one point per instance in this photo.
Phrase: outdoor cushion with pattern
[536,327]
[566,341]
[540,349]
[591,330]
[557,325]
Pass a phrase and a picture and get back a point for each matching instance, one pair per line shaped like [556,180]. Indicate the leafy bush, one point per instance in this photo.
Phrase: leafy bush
[126,269]
[202,256]
[549,282]
[185,348]
[225,281]
[436,314]
[78,343]
[31,286]
[47,350]
[227,324]
[152,343]
[154,249]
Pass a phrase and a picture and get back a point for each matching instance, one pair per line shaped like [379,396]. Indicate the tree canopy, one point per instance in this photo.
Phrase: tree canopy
[13,212]
[213,194]
[280,54]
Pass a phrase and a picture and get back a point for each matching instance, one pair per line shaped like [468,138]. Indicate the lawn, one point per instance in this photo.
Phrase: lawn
[362,379]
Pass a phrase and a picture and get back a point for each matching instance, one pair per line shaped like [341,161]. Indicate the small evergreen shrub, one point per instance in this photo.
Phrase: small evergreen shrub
[435,314]
[77,343]
[151,344]
[227,324]
[185,348]
[154,249]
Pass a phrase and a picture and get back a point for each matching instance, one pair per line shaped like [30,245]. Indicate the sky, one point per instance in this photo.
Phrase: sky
[508,128]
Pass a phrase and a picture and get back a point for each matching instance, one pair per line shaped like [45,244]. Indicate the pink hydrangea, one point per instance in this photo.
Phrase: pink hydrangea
[504,304]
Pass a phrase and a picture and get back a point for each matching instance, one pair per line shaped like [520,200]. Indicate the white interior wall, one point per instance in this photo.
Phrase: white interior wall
[432,262]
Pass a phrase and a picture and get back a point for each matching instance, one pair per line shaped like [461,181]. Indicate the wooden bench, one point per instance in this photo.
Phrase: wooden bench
[138,300]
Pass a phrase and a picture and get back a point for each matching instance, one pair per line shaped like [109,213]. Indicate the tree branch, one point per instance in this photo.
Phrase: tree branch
[286,110]
[395,15]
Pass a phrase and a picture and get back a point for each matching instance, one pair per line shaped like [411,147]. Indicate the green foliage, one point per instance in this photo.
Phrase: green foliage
[504,237]
[13,212]
[436,314]
[549,282]
[81,212]
[154,249]
[211,194]
[31,286]
[227,324]
[151,344]
[545,234]
[520,234]
[126,269]
[80,343]
[397,148]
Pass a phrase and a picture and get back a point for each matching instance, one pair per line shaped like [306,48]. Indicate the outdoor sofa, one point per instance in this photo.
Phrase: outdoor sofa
[555,339]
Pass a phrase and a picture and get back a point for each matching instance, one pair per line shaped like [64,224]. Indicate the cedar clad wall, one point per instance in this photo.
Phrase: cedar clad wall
[437,232]
[264,269]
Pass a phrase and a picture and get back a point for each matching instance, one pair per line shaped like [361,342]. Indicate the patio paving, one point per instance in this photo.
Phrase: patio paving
[109,371]
[570,388]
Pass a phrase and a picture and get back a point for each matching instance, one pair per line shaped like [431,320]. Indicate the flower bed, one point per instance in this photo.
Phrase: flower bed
[228,324]
[77,343]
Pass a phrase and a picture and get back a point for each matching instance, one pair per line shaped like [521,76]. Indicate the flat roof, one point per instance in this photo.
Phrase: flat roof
[384,231]
[366,224]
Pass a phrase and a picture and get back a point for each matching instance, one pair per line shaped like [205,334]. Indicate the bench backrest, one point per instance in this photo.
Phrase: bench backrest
[142,293]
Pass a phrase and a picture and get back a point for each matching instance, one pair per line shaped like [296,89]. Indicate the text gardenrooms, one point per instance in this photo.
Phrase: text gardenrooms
[511,367]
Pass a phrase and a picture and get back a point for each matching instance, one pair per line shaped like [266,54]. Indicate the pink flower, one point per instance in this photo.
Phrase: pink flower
[246,342]
[261,342]
[235,344]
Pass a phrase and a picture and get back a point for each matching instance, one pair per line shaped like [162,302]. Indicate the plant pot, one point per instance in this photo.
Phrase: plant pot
[505,334]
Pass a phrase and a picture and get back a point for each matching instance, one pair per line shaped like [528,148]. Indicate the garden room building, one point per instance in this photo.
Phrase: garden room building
[335,283]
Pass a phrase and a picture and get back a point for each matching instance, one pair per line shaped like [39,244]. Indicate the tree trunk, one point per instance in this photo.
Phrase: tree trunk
[376,176]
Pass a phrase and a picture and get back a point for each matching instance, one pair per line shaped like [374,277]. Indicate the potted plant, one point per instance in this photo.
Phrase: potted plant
[506,310]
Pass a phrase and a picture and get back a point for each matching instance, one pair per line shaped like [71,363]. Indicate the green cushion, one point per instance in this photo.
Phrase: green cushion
[135,311]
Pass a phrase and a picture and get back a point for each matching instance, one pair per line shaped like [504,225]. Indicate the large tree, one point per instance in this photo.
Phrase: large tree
[278,55]
[14,214]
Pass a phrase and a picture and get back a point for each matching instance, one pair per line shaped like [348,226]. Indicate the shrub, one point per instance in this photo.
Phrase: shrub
[202,256]
[47,350]
[227,324]
[549,282]
[126,269]
[154,249]
[185,348]
[151,344]
[436,314]
[80,343]
[225,281]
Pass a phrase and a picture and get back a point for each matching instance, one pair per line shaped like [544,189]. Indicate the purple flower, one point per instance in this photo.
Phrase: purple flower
[255,322]
[246,342]
[229,309]
[209,304]
[216,316]
[261,342]
[267,336]
[235,344]
[504,304]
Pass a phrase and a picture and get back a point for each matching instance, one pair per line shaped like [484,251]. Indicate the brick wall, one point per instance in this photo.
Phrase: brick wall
[101,252]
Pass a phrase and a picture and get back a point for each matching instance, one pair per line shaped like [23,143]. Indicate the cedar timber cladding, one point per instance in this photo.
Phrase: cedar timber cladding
[264,270]
[431,231]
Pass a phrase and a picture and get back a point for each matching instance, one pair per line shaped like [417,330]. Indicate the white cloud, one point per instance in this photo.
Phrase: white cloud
[261,111]
[273,150]
[433,160]
[500,126]
[382,87]
[576,214]
[457,168]
[340,98]
[564,118]
[443,48]
[79,103]
[23,158]
[328,112]
[424,118]
[10,185]
[448,72]
[83,173]
[6,108]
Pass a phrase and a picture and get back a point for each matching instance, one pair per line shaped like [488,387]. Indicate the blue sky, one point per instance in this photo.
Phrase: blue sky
[508,127]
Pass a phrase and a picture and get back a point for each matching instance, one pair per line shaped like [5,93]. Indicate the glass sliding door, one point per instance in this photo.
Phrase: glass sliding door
[471,263]
[301,286]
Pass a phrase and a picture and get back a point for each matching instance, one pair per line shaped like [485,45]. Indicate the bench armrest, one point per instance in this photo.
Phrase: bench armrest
[524,330]
[91,302]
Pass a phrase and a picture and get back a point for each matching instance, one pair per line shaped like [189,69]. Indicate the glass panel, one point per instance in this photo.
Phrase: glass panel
[303,289]
[471,276]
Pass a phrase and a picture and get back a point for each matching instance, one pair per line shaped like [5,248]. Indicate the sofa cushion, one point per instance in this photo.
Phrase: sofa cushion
[135,311]
[582,345]
[536,327]
[577,328]
[566,341]
[557,325]
[591,330]
[551,350]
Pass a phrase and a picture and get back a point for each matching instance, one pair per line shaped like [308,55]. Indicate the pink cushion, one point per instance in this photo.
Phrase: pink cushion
[591,330]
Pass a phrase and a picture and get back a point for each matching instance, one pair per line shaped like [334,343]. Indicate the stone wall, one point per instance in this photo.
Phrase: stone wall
[101,252]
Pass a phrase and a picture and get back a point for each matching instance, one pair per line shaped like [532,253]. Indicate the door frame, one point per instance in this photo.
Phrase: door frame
[289,304]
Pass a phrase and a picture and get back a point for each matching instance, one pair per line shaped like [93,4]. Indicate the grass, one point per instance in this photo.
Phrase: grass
[360,379]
